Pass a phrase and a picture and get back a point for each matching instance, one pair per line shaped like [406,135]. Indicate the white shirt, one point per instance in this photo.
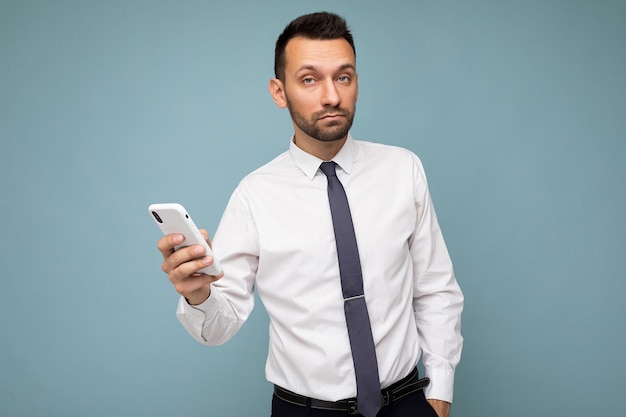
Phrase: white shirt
[277,234]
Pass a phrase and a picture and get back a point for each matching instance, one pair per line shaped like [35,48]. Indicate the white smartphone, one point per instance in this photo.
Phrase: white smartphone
[173,218]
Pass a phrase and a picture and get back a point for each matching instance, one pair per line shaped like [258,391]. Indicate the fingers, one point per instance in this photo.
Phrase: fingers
[167,244]
[182,267]
[186,261]
[194,286]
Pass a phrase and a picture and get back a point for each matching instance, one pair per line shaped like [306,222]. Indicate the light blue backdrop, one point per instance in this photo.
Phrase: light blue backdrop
[517,108]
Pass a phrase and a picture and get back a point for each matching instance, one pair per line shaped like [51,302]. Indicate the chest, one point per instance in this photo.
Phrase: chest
[293,217]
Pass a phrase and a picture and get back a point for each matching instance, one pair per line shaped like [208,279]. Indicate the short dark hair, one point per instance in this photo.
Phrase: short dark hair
[319,25]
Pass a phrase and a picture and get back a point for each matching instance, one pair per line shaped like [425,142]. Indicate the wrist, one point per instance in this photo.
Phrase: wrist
[199,296]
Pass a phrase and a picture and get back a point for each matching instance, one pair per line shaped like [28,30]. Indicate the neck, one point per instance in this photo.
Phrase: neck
[323,150]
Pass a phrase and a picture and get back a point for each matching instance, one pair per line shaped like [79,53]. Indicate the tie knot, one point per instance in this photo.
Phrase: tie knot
[328,168]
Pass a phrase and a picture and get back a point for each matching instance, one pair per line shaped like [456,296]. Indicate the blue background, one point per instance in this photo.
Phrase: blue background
[517,108]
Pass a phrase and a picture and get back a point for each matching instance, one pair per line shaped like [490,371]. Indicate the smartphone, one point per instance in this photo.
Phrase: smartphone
[173,218]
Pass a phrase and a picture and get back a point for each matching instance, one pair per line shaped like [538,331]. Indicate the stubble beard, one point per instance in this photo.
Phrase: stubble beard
[333,131]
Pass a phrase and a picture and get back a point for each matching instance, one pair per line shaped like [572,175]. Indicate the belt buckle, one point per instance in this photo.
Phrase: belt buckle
[352,408]
[386,398]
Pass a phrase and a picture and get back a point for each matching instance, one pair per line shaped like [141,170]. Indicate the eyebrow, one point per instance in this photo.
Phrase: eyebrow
[314,68]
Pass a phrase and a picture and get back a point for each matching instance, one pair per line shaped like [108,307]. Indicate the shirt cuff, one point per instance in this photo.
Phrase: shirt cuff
[441,384]
[193,317]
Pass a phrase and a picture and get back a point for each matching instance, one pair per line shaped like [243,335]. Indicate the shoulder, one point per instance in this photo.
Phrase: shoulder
[276,166]
[374,153]
[269,175]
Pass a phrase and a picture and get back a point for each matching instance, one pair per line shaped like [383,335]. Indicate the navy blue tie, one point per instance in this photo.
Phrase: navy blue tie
[359,329]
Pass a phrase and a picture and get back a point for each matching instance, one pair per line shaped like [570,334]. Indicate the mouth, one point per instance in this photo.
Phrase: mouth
[332,117]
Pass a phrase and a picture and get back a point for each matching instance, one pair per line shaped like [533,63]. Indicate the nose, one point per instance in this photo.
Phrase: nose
[330,95]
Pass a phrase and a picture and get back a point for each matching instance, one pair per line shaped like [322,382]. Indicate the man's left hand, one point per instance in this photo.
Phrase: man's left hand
[442,408]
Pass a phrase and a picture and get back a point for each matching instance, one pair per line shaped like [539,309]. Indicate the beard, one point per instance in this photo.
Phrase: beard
[331,131]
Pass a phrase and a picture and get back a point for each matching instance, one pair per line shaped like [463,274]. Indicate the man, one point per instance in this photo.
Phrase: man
[281,232]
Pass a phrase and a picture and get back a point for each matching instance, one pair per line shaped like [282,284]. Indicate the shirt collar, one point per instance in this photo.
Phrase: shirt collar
[309,164]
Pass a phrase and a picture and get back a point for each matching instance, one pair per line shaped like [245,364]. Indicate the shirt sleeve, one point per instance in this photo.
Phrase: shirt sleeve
[437,297]
[235,245]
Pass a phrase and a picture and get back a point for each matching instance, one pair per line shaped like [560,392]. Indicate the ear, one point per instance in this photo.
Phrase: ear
[277,91]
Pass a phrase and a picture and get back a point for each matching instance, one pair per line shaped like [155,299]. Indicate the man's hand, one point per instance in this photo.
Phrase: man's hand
[182,265]
[442,408]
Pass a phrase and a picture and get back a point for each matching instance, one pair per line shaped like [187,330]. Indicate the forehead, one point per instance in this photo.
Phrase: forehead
[324,54]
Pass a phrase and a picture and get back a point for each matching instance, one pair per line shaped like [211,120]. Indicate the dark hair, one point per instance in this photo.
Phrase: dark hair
[320,25]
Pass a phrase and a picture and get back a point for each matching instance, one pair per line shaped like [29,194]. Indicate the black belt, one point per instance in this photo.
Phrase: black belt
[394,392]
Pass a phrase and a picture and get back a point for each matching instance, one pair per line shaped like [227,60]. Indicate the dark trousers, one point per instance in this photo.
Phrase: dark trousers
[413,405]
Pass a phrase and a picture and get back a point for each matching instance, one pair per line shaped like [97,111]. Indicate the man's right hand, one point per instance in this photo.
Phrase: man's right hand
[182,265]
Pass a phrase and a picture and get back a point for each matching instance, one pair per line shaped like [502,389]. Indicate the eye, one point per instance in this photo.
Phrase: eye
[343,79]
[308,80]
